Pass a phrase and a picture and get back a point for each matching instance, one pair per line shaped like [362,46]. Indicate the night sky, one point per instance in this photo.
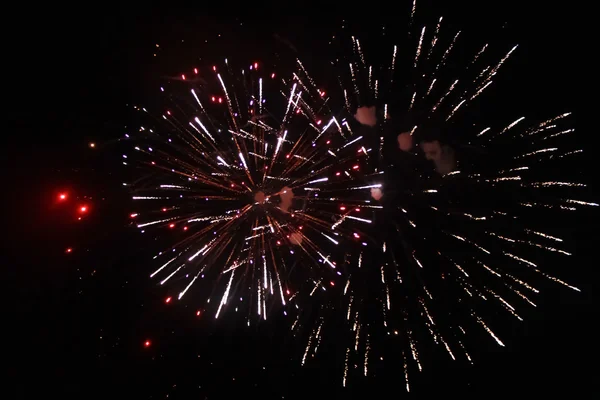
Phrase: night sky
[78,321]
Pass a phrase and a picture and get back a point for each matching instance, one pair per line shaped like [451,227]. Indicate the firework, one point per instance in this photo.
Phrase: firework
[464,206]
[247,176]
[271,195]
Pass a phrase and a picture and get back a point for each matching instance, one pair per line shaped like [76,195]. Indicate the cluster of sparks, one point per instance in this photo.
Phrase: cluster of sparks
[263,184]
[81,209]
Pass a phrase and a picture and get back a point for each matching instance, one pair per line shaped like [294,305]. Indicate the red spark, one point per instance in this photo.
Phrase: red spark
[355,167]
[147,343]
[83,209]
[198,313]
[183,77]
[195,70]
[62,196]
[171,225]
[255,65]
[68,250]
[273,75]
[342,208]
[168,300]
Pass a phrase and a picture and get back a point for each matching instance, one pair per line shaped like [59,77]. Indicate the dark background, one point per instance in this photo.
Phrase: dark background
[77,323]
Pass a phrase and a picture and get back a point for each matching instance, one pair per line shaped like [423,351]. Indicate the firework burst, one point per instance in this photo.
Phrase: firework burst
[460,236]
[256,181]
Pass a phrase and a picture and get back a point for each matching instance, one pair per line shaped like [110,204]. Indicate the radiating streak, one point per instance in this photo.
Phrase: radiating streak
[190,284]
[537,152]
[583,203]
[170,275]
[225,294]
[546,184]
[559,133]
[488,330]
[198,253]
[330,238]
[483,131]
[161,268]
[156,222]
[419,48]
[173,187]
[359,219]
[203,128]
[198,100]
